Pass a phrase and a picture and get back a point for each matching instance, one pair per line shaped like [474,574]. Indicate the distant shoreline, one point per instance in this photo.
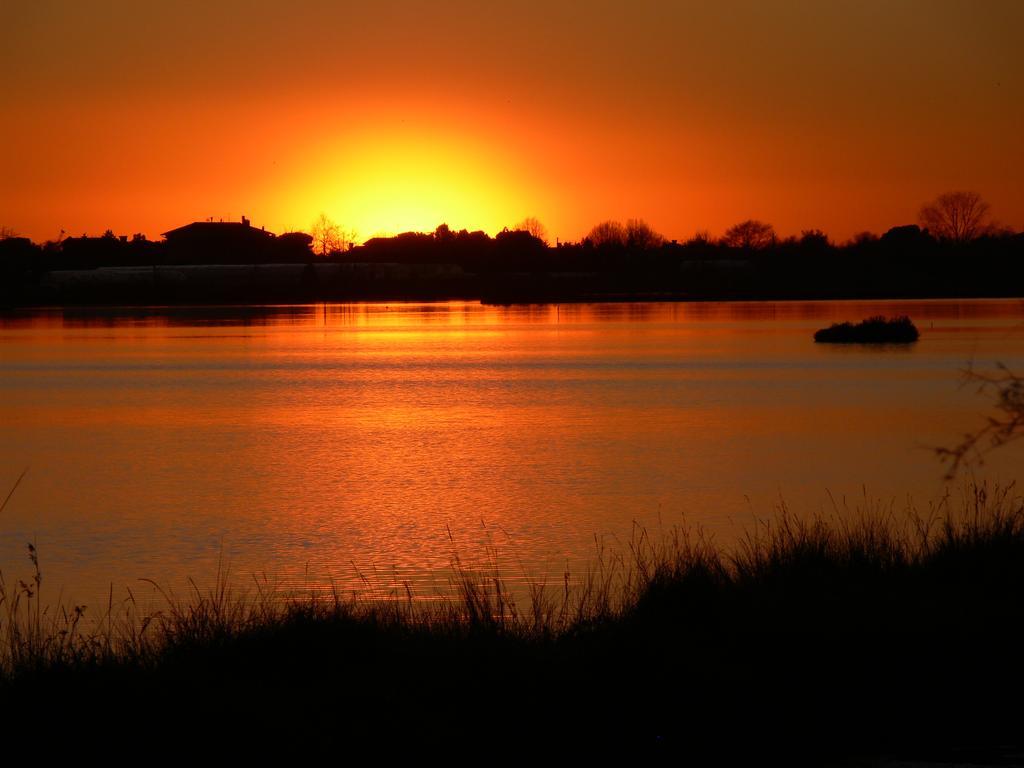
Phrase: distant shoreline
[250,284]
[236,263]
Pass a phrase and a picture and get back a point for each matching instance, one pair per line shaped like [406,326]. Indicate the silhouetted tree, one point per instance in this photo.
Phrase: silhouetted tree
[293,246]
[519,249]
[17,255]
[607,233]
[349,239]
[750,234]
[532,225]
[956,216]
[862,239]
[814,238]
[907,238]
[327,236]
[641,236]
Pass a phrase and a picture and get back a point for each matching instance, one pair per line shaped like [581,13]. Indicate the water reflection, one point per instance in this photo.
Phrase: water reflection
[332,435]
[454,313]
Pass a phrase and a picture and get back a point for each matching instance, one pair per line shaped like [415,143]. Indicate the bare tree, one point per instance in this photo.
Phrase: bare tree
[607,233]
[750,235]
[327,236]
[956,216]
[533,225]
[349,239]
[640,235]
[1005,426]
[6,232]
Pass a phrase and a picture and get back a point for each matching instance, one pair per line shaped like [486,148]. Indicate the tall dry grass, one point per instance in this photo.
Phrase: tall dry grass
[863,556]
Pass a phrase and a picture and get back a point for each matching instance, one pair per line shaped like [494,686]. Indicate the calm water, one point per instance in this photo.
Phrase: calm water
[308,442]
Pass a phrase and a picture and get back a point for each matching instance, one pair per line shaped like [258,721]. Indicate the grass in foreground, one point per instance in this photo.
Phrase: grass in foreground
[858,635]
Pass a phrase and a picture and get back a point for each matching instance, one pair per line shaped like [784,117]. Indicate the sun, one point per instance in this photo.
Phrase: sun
[389,181]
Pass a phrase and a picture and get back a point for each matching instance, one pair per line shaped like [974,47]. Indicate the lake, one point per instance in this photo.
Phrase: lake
[362,443]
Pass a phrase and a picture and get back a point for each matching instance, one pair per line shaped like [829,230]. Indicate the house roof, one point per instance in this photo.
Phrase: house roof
[219,228]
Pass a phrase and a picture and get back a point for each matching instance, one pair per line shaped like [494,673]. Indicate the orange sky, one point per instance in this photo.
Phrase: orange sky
[399,115]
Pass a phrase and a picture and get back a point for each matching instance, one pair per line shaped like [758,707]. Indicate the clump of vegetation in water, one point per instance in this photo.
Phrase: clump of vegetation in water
[868,632]
[874,330]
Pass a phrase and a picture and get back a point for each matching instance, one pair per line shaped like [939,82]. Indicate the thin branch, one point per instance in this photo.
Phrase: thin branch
[1005,426]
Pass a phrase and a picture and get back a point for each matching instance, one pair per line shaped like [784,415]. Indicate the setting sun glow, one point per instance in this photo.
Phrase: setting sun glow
[408,179]
[843,118]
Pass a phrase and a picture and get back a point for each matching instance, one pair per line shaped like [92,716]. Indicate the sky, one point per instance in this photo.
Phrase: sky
[399,115]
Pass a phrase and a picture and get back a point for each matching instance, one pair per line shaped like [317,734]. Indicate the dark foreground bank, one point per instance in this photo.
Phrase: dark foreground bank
[812,641]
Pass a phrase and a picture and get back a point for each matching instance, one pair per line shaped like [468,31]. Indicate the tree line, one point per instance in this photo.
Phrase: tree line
[955,247]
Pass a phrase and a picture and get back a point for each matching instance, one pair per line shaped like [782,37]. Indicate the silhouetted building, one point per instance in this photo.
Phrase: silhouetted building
[223,242]
[234,242]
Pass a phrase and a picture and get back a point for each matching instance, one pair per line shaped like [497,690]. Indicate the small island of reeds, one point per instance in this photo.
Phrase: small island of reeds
[873,330]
